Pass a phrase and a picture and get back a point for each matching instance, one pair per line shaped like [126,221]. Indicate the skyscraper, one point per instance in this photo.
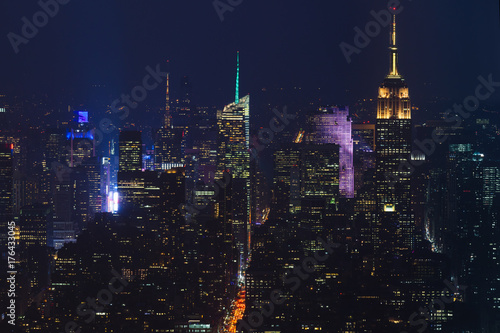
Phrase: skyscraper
[87,181]
[6,182]
[168,153]
[286,181]
[234,156]
[319,171]
[332,125]
[183,107]
[363,136]
[130,151]
[130,176]
[35,222]
[82,145]
[394,230]
[53,140]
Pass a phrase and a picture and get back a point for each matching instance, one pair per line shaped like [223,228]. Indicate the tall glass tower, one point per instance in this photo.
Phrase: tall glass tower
[394,228]
[234,157]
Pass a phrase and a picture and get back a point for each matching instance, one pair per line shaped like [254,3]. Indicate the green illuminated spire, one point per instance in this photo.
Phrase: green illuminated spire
[237,96]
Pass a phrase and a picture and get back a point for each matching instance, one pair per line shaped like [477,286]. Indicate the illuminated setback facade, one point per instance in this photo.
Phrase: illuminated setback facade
[234,128]
[233,124]
[234,156]
[395,227]
[332,125]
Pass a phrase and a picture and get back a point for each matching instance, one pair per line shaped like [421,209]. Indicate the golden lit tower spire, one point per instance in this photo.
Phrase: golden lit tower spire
[393,96]
[394,51]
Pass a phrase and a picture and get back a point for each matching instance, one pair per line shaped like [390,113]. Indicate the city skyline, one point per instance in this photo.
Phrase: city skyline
[156,177]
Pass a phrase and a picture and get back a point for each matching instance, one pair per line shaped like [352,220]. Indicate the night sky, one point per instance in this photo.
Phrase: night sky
[444,45]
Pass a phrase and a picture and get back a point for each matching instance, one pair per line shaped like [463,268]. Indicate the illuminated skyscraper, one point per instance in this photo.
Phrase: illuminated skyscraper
[320,171]
[306,188]
[87,187]
[35,220]
[131,179]
[286,197]
[53,146]
[168,153]
[464,201]
[3,117]
[395,230]
[363,136]
[6,182]
[332,125]
[81,140]
[233,124]
[491,184]
[130,151]
[234,156]
[183,106]
[260,205]
[34,224]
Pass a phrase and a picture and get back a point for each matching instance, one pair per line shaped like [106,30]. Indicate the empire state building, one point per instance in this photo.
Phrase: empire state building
[394,227]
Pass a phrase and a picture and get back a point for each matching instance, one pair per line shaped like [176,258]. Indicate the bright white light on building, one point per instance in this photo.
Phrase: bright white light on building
[110,203]
[115,201]
[389,208]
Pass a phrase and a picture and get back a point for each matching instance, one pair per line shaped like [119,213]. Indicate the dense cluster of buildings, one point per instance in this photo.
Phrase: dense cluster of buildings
[202,240]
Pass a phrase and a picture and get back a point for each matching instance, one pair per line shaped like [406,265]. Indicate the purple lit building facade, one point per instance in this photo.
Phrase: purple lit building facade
[333,125]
